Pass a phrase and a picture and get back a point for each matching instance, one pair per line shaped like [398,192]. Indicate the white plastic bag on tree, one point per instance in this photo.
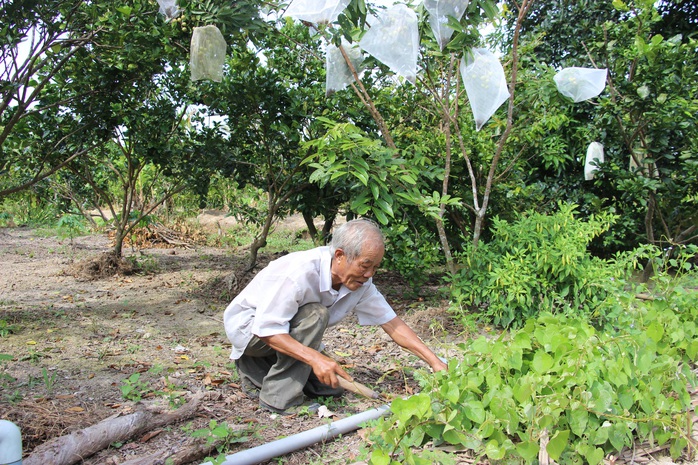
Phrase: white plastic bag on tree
[439,11]
[337,72]
[485,84]
[316,11]
[394,41]
[580,84]
[207,54]
[168,8]
[593,159]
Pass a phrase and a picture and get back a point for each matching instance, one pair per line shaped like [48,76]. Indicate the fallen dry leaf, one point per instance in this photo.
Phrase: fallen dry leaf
[324,412]
[147,437]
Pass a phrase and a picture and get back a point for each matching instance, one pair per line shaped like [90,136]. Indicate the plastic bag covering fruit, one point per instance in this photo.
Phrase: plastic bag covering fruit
[338,75]
[316,11]
[594,157]
[485,84]
[580,84]
[439,11]
[207,54]
[394,41]
[168,8]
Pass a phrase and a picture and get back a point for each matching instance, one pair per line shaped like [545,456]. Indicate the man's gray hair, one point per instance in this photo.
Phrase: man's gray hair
[352,235]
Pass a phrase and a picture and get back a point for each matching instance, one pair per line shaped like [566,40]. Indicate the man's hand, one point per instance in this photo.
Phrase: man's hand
[439,365]
[323,366]
[327,370]
[408,339]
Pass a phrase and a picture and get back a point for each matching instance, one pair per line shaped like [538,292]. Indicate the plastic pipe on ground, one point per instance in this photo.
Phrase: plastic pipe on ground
[10,444]
[288,444]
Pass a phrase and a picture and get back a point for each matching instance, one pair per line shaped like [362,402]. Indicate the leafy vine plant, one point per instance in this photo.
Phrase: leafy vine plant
[556,386]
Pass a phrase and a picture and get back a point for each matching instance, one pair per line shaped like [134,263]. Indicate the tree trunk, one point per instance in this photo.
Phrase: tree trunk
[323,236]
[261,240]
[648,271]
[327,228]
[310,224]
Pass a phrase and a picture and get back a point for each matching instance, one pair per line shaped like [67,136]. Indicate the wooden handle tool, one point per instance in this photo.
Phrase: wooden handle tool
[357,388]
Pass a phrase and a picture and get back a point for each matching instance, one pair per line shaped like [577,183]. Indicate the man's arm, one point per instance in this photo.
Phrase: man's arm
[408,339]
[323,366]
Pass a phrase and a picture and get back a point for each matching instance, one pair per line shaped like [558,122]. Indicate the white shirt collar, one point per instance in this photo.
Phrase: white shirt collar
[326,271]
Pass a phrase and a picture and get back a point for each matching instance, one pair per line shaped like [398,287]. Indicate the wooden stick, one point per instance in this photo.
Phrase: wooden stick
[357,388]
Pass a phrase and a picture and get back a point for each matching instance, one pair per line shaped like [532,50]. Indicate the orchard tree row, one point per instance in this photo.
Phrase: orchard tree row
[99,112]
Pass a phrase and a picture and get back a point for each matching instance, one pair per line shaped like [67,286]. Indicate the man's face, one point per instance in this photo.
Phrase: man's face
[355,273]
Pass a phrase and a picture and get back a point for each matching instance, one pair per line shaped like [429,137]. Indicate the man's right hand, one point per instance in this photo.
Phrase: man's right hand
[327,370]
[324,367]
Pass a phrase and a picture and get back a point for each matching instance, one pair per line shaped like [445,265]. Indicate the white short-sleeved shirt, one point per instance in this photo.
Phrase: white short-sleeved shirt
[268,303]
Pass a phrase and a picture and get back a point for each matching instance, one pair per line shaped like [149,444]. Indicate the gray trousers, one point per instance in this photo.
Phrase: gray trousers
[283,379]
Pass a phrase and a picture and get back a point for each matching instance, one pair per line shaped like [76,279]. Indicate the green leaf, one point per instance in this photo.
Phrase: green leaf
[379,457]
[408,179]
[677,447]
[475,411]
[578,419]
[375,190]
[455,437]
[362,176]
[620,5]
[557,444]
[417,405]
[385,206]
[337,174]
[523,390]
[453,393]
[125,10]
[655,331]
[602,396]
[542,362]
[528,450]
[619,436]
[593,455]
[494,451]
[220,431]
[490,8]
[380,216]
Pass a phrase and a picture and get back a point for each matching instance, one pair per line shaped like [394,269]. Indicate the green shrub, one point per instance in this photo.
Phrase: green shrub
[670,302]
[71,225]
[26,208]
[538,263]
[410,254]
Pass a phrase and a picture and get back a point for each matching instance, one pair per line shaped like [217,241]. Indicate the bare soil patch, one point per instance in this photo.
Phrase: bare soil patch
[75,341]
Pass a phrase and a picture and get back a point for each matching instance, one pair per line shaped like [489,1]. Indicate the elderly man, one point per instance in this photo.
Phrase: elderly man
[277,322]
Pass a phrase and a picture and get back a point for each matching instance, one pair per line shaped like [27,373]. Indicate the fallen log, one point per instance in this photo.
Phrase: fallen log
[74,447]
[192,452]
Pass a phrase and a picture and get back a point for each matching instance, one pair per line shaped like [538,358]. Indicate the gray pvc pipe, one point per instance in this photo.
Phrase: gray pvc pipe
[288,444]
[10,444]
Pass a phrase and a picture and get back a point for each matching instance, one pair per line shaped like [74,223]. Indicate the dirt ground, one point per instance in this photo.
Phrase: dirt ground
[75,342]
